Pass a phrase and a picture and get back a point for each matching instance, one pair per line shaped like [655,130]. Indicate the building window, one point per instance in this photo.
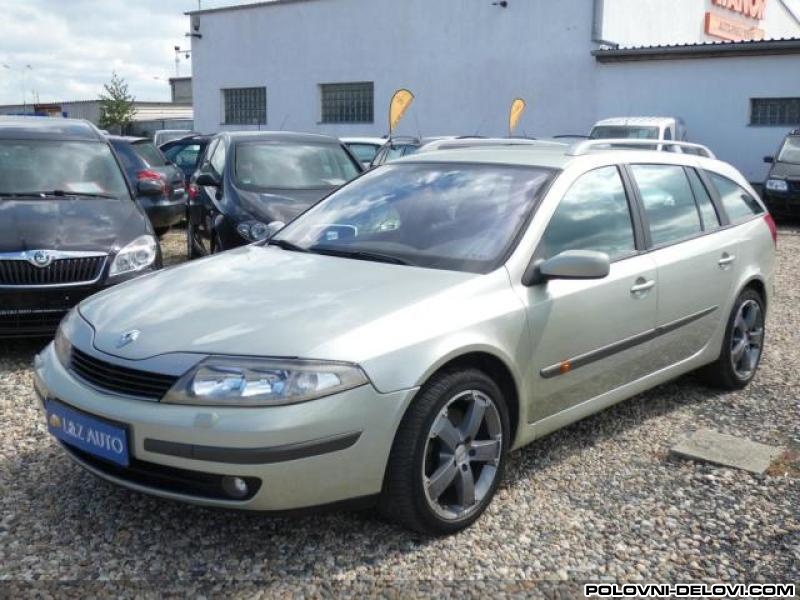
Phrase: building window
[245,106]
[775,111]
[348,102]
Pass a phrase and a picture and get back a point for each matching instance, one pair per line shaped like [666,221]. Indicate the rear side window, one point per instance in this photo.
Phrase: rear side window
[593,215]
[736,201]
[149,153]
[668,202]
[707,211]
[184,156]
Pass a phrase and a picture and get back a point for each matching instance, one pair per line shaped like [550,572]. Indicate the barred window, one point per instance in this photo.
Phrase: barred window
[775,111]
[348,102]
[245,106]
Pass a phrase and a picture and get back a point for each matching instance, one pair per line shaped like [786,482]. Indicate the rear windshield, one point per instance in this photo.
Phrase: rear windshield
[292,166]
[619,132]
[364,152]
[149,153]
[45,166]
[790,152]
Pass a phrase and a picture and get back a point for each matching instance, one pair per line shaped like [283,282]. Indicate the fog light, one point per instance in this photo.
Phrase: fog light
[235,487]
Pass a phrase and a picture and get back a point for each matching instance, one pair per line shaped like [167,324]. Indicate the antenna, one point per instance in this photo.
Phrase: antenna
[416,123]
[478,128]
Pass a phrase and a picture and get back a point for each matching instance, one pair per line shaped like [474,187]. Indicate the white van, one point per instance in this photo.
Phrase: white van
[646,128]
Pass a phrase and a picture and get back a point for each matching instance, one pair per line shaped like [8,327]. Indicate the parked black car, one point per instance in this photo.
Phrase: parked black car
[186,153]
[69,225]
[144,162]
[782,188]
[249,180]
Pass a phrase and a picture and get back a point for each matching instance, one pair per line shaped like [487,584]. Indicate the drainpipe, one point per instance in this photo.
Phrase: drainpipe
[597,24]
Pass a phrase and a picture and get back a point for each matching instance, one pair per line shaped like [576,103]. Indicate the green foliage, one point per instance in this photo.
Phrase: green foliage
[116,105]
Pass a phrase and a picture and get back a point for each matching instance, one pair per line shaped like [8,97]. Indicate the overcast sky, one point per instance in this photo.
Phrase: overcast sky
[72,46]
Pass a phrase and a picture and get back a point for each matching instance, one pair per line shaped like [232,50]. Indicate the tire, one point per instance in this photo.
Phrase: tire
[728,372]
[191,248]
[410,494]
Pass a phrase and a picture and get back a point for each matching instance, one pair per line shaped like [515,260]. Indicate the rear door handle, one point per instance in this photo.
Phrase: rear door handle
[643,286]
[726,260]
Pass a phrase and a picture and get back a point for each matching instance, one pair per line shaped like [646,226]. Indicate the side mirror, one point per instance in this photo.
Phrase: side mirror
[571,264]
[769,159]
[208,179]
[149,187]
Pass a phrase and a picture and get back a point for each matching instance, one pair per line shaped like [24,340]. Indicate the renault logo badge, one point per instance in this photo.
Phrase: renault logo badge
[41,259]
[128,338]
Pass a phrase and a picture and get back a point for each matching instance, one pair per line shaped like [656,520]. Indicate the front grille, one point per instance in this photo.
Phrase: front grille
[168,479]
[31,323]
[120,380]
[60,272]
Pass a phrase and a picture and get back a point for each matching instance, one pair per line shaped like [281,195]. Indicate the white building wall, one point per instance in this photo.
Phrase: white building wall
[663,22]
[712,96]
[464,60]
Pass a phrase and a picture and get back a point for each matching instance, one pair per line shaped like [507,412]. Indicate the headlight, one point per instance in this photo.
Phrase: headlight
[777,185]
[138,255]
[62,345]
[226,381]
[253,231]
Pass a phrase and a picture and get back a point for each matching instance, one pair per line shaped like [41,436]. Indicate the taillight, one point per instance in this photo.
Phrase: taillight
[194,191]
[772,227]
[148,175]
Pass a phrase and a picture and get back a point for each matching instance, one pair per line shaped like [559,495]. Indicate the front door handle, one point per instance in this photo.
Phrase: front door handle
[726,260]
[642,285]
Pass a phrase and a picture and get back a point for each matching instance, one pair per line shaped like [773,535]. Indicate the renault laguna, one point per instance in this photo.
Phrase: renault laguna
[392,344]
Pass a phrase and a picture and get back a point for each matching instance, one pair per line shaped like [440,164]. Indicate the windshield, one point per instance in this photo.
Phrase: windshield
[292,166]
[442,216]
[36,166]
[619,132]
[790,152]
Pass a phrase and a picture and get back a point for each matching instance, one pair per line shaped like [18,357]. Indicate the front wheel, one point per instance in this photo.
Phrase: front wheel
[448,455]
[742,345]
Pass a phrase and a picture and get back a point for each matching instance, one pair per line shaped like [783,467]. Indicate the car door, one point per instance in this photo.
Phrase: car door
[591,336]
[694,257]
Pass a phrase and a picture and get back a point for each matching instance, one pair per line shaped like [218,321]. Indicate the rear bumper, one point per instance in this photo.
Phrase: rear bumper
[787,205]
[164,213]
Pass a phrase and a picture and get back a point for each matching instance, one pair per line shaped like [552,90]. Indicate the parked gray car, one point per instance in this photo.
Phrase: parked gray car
[394,342]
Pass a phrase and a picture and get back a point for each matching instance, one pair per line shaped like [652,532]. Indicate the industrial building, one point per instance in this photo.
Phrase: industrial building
[729,68]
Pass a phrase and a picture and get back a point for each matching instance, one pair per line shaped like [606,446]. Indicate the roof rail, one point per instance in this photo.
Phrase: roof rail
[581,148]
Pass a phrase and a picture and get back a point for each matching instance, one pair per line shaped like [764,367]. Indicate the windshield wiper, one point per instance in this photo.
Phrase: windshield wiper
[55,193]
[287,245]
[362,255]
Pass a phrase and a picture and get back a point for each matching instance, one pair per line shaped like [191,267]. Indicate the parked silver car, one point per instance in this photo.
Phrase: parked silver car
[393,343]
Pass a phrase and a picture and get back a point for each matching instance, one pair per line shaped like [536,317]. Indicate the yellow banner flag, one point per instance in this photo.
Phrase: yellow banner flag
[515,114]
[401,101]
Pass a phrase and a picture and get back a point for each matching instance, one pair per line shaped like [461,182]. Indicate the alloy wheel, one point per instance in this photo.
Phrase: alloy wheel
[462,455]
[747,339]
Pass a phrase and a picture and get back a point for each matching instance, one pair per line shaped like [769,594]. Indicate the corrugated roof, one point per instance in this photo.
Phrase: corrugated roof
[699,50]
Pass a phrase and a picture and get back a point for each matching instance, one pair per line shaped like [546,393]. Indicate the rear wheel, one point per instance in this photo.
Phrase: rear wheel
[191,243]
[448,455]
[742,346]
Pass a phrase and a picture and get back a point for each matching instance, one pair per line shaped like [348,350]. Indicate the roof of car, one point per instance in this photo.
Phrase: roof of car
[377,141]
[48,128]
[126,138]
[282,136]
[640,121]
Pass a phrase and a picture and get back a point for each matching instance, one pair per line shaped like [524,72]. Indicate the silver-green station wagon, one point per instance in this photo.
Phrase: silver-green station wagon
[394,343]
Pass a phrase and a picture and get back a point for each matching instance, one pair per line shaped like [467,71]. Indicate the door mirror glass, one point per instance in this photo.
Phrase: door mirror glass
[208,179]
[576,264]
[149,187]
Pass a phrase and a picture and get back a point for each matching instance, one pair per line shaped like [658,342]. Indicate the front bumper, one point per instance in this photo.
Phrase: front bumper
[783,204]
[311,454]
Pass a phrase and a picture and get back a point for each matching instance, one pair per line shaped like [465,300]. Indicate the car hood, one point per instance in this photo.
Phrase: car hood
[68,223]
[782,170]
[266,301]
[279,205]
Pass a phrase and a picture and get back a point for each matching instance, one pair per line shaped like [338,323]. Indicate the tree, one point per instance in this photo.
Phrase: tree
[116,105]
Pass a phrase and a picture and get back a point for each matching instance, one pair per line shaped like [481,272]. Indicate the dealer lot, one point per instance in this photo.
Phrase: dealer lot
[599,499]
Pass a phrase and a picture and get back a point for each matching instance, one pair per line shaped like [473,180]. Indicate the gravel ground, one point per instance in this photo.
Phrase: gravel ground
[601,499]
